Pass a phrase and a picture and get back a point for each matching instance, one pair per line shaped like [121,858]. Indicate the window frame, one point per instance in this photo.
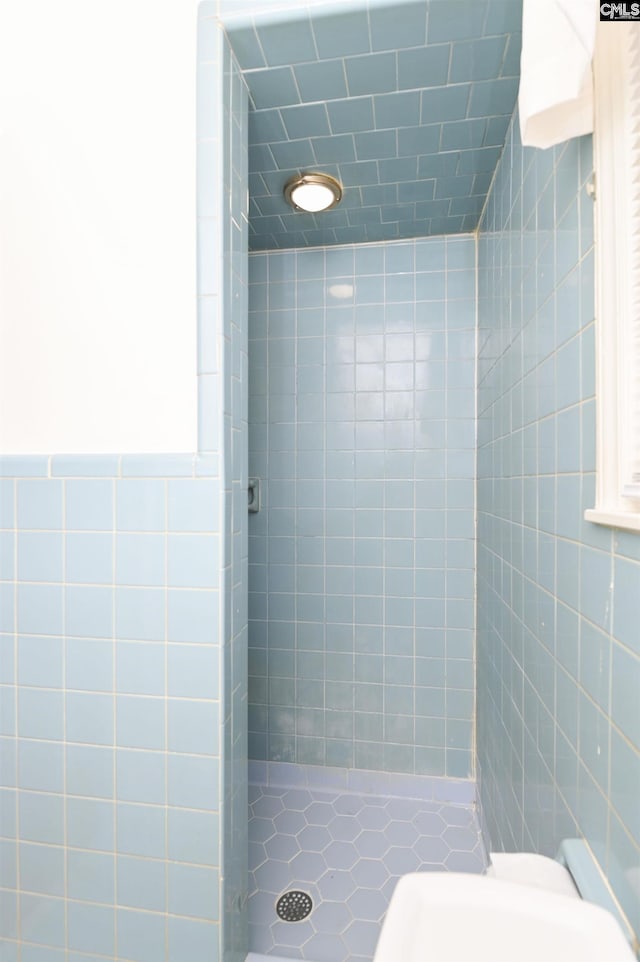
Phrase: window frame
[617,249]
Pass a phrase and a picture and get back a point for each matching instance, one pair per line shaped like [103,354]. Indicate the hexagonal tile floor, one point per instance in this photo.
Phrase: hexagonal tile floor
[347,852]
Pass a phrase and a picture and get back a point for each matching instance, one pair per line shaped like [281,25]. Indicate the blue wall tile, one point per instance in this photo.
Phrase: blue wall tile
[89,665]
[350,116]
[40,714]
[141,776]
[41,869]
[306,120]
[193,890]
[274,88]
[41,818]
[89,718]
[141,830]
[286,43]
[40,662]
[42,919]
[39,504]
[193,561]
[140,668]
[342,34]
[320,80]
[141,935]
[89,505]
[191,939]
[371,74]
[40,556]
[192,616]
[140,722]
[140,505]
[193,837]
[91,928]
[193,727]
[140,614]
[140,559]
[424,67]
[89,771]
[89,558]
[192,782]
[88,612]
[478,59]
[141,883]
[247,48]
[403,25]
[39,610]
[193,507]
[90,824]
[193,671]
[91,876]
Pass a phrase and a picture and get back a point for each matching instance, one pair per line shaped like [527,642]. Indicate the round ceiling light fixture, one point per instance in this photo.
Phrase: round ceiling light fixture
[313,192]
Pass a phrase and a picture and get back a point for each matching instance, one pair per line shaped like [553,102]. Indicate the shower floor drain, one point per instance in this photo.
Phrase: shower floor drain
[294,906]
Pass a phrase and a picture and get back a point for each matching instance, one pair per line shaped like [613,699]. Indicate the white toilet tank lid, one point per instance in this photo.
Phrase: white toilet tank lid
[536,870]
[574,873]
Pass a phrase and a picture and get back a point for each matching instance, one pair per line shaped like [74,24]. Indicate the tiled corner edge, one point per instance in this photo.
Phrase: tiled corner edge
[24,466]
[485,835]
[109,466]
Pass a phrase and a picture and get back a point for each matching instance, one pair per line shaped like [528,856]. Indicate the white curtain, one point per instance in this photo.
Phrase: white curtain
[556,83]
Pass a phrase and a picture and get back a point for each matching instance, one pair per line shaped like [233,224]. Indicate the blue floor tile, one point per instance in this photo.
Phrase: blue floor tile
[347,851]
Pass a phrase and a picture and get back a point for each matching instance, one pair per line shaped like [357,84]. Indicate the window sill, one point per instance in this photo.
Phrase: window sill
[614,519]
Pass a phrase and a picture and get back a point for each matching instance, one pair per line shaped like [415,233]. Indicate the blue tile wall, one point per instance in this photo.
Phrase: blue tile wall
[123,638]
[103,750]
[361,426]
[403,104]
[558,640]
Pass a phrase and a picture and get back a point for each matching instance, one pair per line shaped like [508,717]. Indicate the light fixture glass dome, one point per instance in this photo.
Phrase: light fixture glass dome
[313,192]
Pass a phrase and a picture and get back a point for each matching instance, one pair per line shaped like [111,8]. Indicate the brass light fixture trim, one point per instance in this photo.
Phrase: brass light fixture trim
[313,193]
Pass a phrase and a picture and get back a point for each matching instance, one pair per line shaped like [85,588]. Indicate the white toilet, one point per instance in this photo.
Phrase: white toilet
[527,908]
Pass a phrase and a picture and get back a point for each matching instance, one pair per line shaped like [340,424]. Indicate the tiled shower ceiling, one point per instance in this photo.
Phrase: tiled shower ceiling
[406,104]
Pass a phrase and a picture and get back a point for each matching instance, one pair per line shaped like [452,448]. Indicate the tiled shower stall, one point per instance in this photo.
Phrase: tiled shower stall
[423,633]
[361,587]
[362,427]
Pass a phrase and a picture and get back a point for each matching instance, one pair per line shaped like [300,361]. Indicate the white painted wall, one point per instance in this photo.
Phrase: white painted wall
[97,226]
